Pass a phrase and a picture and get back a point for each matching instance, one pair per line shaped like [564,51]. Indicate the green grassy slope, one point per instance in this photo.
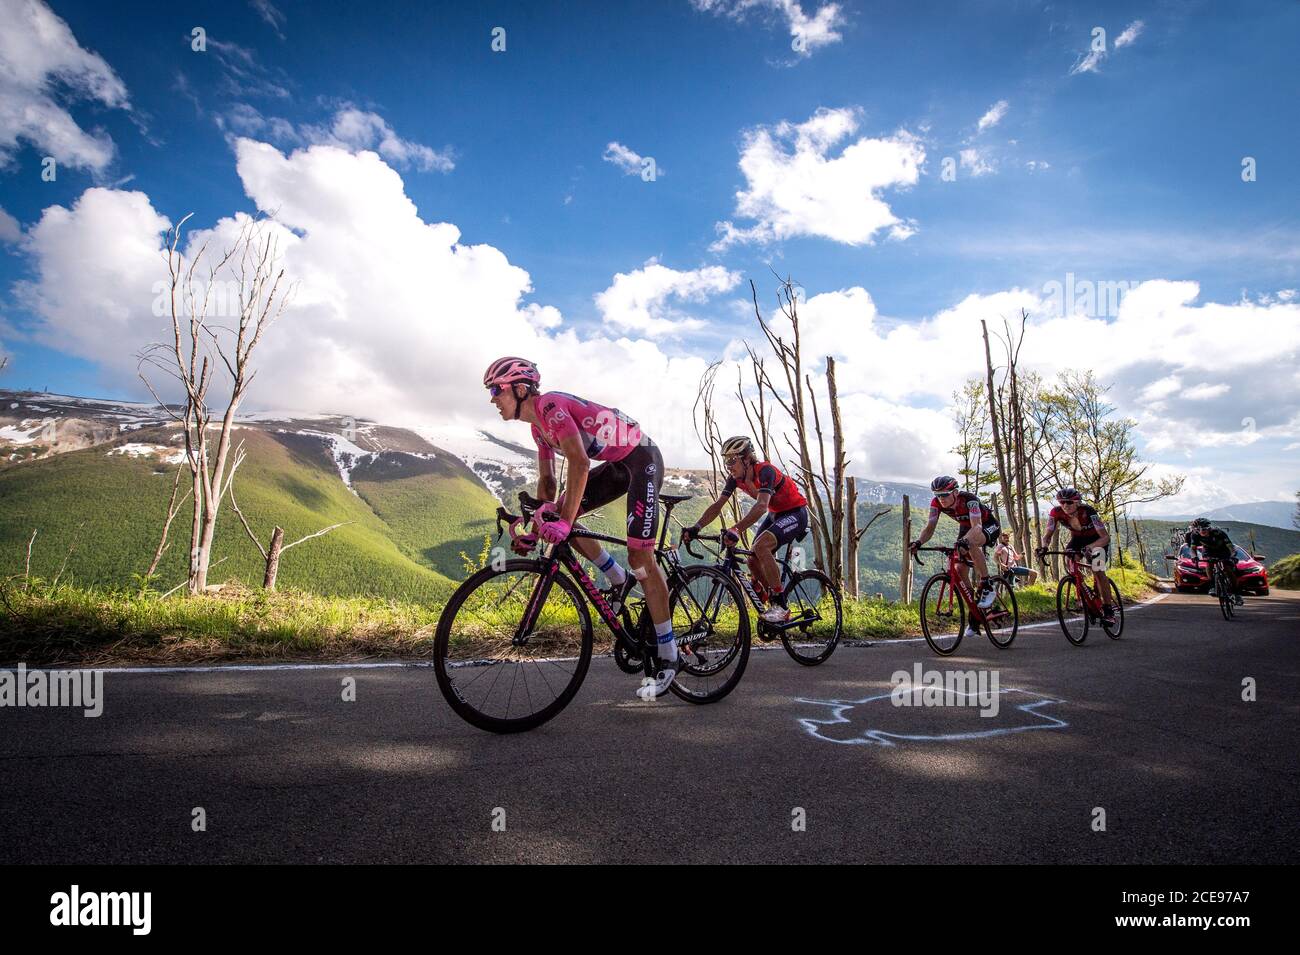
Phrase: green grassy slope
[121,501]
[434,508]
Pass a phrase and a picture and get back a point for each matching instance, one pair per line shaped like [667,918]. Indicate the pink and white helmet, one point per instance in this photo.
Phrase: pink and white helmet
[508,371]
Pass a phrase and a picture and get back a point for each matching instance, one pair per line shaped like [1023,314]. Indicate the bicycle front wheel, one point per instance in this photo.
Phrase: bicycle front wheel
[1225,594]
[816,618]
[943,615]
[1002,620]
[1071,612]
[512,646]
[711,626]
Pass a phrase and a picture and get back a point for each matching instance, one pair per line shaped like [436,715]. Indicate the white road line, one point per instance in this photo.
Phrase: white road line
[407,664]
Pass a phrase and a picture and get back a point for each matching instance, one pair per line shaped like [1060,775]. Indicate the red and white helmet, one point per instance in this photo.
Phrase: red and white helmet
[509,370]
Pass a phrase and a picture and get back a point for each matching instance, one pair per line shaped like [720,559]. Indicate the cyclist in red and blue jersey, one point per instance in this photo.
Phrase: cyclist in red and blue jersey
[779,504]
[630,466]
[979,528]
[1088,536]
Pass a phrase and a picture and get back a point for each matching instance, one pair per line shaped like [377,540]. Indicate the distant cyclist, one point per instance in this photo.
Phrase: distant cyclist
[1215,545]
[1088,536]
[630,467]
[979,528]
[777,501]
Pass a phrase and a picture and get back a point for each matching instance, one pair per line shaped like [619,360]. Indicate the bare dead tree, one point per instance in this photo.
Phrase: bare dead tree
[998,443]
[793,403]
[853,536]
[757,415]
[198,343]
[27,567]
[705,421]
[173,508]
[272,553]
[66,557]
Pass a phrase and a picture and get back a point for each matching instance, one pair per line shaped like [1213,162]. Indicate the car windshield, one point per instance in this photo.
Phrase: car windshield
[1184,553]
[1241,554]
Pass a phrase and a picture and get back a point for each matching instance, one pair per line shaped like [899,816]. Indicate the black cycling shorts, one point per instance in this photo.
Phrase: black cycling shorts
[638,477]
[787,526]
[991,532]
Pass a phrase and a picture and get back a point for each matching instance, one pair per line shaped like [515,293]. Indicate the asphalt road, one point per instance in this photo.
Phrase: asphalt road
[1152,729]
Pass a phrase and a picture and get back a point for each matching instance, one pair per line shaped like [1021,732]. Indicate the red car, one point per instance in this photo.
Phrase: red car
[1191,575]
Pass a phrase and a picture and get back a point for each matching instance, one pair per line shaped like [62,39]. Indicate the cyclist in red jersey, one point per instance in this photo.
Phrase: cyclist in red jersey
[1088,536]
[777,501]
[630,466]
[979,528]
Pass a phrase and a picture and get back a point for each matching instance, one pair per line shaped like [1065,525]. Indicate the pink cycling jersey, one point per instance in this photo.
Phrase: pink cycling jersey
[606,433]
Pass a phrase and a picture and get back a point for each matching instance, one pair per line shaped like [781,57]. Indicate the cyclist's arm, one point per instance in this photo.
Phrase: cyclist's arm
[546,488]
[928,530]
[575,452]
[1099,526]
[712,511]
[1049,533]
[756,512]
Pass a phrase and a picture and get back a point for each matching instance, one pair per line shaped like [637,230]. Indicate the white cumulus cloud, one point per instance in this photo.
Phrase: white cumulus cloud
[350,128]
[42,67]
[807,33]
[993,116]
[628,160]
[643,300]
[796,187]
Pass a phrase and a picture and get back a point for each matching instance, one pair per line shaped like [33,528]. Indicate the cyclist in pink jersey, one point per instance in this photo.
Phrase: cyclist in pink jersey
[630,466]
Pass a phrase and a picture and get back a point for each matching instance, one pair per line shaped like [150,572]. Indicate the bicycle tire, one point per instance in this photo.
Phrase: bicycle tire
[1004,595]
[464,708]
[791,643]
[941,580]
[700,688]
[1225,598]
[1067,600]
[1117,629]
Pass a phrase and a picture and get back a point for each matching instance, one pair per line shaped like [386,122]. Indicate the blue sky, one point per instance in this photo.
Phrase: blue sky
[1129,171]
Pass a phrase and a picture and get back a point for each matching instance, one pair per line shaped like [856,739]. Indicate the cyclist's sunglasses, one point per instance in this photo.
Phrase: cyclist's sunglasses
[495,390]
[942,494]
[733,458]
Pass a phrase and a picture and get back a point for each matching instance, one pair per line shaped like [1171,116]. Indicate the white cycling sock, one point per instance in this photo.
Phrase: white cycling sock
[610,568]
[667,643]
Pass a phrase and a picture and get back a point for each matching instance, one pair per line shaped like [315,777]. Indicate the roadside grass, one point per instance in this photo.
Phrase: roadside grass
[65,624]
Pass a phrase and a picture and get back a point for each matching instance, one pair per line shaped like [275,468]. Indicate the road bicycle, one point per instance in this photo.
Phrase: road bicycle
[816,610]
[1078,605]
[946,600]
[1224,587]
[515,641]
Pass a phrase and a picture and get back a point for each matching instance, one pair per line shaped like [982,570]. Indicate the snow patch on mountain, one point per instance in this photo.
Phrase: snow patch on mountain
[165,454]
[347,456]
[499,468]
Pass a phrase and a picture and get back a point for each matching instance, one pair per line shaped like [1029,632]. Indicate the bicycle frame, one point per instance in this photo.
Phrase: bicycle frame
[731,566]
[563,555]
[957,584]
[1088,594]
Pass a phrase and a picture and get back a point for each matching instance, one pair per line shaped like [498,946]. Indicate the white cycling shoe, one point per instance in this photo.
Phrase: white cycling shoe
[776,614]
[650,690]
[986,601]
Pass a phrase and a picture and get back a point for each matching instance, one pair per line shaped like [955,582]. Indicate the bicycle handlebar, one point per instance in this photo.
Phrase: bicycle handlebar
[1072,554]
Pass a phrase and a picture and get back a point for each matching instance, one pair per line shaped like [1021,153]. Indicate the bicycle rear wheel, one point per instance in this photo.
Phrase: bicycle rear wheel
[711,625]
[943,615]
[1002,620]
[496,674]
[1071,612]
[816,618]
[1113,630]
